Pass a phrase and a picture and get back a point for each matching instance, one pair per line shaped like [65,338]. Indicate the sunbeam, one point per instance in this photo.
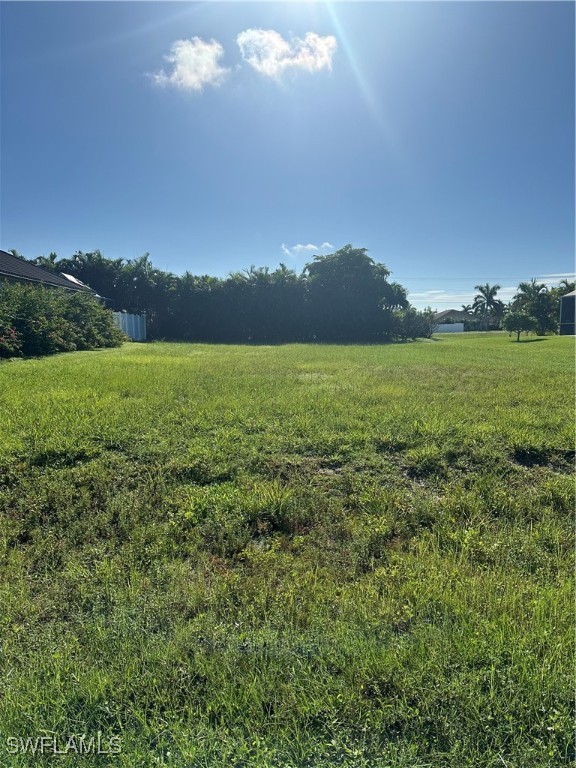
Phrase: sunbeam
[371,99]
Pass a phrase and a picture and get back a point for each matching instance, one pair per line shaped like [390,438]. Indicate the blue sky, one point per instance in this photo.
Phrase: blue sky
[439,135]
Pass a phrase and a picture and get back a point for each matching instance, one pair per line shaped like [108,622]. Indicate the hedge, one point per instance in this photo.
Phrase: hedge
[35,320]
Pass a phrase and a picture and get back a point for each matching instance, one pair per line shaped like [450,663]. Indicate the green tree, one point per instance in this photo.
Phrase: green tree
[350,297]
[486,305]
[48,262]
[536,300]
[517,322]
[103,275]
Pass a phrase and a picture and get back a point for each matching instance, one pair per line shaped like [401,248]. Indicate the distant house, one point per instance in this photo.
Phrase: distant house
[568,314]
[13,269]
[452,315]
[450,321]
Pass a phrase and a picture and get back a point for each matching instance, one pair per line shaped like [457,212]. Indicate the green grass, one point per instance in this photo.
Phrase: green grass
[291,556]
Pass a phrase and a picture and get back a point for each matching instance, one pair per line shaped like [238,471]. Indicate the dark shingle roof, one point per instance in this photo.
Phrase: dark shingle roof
[18,269]
[454,314]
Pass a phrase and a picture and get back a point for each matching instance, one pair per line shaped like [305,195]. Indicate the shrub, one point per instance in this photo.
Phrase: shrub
[413,323]
[35,320]
[9,339]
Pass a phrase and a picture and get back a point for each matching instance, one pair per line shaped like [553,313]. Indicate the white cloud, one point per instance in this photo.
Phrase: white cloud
[557,276]
[270,54]
[296,250]
[454,299]
[442,299]
[194,65]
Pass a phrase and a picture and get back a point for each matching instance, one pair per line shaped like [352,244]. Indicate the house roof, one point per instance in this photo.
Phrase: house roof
[18,269]
[454,314]
[572,293]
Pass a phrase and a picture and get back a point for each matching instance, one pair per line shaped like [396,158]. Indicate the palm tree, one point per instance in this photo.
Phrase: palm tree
[468,308]
[536,300]
[47,262]
[529,292]
[486,304]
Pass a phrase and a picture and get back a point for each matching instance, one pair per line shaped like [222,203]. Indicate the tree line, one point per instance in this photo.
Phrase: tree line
[534,308]
[345,296]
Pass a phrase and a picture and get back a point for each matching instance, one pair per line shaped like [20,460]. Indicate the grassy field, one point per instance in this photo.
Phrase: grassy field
[290,556]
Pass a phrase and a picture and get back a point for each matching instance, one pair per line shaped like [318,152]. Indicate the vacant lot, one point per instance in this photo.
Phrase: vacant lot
[290,556]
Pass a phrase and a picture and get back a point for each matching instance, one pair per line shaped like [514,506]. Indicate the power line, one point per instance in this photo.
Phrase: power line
[566,275]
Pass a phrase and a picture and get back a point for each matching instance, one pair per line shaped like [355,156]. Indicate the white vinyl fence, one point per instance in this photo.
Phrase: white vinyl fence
[134,326]
[449,328]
